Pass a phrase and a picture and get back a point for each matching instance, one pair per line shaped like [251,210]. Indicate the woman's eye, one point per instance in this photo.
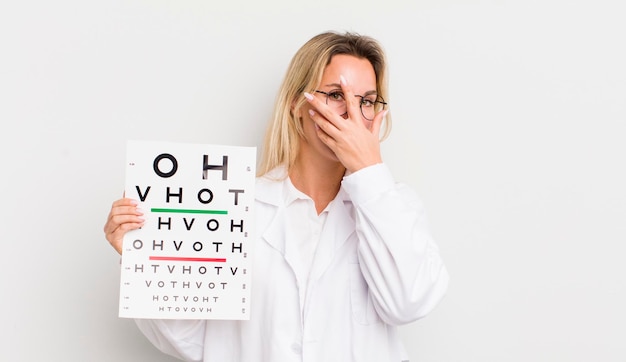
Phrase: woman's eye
[367,102]
[335,96]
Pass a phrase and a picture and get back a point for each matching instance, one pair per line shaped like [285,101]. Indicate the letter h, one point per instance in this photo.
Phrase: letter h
[206,167]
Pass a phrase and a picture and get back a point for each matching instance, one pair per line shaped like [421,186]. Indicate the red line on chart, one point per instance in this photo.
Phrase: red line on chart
[178,258]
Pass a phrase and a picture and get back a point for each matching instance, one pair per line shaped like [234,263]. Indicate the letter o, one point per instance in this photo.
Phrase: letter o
[197,243]
[202,192]
[211,285]
[157,170]
[212,222]
[202,270]
[137,244]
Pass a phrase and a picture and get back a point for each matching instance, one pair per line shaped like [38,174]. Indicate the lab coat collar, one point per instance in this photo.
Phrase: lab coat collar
[339,225]
[269,187]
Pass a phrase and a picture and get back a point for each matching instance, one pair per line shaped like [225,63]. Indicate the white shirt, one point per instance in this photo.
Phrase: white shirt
[303,229]
[375,267]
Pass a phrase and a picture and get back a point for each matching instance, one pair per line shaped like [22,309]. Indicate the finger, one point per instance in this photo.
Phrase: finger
[125,206]
[123,210]
[323,110]
[115,221]
[317,104]
[116,238]
[326,138]
[119,232]
[323,125]
[323,128]
[123,217]
[377,122]
[125,201]
[352,102]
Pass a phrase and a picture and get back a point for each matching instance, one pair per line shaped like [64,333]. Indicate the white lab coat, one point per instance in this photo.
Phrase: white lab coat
[376,267]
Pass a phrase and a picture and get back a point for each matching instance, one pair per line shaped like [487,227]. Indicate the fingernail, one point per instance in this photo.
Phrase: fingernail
[134,202]
[308,96]
[342,80]
[139,211]
[311,112]
[385,113]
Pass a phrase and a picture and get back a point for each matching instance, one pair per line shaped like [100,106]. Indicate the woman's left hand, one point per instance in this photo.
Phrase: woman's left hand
[354,140]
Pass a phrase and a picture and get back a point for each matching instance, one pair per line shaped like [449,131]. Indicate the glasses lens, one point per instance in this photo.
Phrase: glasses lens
[371,105]
[336,101]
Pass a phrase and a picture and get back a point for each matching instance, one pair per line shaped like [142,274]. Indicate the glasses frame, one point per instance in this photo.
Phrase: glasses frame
[381,101]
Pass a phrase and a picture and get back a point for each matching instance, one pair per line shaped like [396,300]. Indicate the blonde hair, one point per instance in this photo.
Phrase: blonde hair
[304,74]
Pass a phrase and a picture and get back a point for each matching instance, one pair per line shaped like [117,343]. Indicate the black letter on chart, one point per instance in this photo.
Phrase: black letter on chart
[223,167]
[236,192]
[155,165]
[142,197]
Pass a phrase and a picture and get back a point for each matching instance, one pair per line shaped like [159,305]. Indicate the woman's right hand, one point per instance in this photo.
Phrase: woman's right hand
[124,216]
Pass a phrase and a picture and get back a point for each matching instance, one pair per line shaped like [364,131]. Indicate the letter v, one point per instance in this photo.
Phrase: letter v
[177,246]
[142,197]
[188,225]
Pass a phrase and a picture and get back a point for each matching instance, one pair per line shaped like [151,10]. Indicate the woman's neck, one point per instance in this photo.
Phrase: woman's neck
[321,181]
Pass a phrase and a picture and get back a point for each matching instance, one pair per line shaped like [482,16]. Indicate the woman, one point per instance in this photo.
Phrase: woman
[342,254]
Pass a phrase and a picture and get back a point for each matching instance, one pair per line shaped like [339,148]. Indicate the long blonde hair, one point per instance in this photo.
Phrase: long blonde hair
[304,74]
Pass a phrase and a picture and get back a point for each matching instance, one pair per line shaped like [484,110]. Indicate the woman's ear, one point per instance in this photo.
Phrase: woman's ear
[292,108]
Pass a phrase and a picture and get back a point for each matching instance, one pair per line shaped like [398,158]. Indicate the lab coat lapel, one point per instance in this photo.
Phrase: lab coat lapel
[339,225]
[275,232]
[269,192]
[337,229]
[276,236]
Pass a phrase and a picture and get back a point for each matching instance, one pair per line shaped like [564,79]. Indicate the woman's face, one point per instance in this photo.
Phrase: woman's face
[360,77]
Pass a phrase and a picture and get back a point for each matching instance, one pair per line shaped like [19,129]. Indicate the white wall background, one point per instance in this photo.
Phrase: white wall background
[510,120]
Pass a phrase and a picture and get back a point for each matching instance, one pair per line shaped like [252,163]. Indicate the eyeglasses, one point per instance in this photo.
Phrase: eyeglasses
[370,104]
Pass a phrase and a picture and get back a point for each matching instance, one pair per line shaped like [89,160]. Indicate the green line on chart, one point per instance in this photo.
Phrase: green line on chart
[191,211]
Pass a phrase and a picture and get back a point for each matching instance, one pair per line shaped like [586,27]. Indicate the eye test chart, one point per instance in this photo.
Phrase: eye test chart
[192,258]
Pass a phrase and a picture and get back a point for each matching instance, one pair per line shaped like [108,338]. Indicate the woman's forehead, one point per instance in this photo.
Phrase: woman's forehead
[358,72]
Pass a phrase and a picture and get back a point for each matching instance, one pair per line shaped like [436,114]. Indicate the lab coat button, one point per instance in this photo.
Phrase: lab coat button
[296,348]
